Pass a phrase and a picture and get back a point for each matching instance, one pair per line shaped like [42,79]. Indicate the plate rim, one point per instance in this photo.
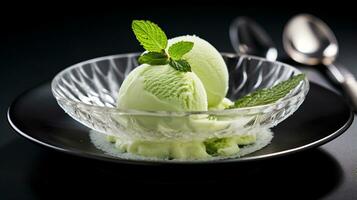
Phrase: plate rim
[112,159]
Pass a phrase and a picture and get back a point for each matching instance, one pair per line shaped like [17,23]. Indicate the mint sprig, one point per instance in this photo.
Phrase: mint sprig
[150,35]
[180,65]
[153,58]
[269,95]
[154,41]
[177,50]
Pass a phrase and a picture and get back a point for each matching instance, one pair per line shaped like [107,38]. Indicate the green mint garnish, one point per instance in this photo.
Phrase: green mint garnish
[180,65]
[154,41]
[269,95]
[150,35]
[177,50]
[154,58]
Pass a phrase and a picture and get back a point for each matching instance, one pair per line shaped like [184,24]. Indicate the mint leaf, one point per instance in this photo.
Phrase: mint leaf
[177,50]
[154,40]
[154,58]
[180,65]
[269,95]
[150,35]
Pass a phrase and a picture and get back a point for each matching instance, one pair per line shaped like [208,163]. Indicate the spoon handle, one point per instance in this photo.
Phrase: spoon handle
[348,83]
[350,87]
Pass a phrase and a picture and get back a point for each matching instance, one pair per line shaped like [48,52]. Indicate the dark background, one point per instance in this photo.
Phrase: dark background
[37,42]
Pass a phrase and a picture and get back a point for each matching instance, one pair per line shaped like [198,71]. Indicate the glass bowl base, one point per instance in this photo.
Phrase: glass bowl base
[263,138]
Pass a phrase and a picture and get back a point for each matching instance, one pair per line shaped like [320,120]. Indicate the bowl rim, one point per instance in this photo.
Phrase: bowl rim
[103,109]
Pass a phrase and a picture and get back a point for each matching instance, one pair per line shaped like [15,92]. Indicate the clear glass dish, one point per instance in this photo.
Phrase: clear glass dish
[88,91]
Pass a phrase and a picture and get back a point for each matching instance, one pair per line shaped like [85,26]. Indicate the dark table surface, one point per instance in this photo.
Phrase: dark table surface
[36,46]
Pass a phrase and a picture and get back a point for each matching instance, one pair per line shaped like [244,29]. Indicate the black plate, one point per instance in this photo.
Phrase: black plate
[323,116]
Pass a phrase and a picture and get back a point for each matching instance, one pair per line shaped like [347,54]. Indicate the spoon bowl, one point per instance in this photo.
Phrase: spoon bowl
[309,40]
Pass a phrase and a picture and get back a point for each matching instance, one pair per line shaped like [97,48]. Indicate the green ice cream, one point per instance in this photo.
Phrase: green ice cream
[224,104]
[173,87]
[184,150]
[207,63]
[164,150]
[162,88]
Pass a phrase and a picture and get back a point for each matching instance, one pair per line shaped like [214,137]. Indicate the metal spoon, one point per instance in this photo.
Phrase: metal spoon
[310,41]
[248,37]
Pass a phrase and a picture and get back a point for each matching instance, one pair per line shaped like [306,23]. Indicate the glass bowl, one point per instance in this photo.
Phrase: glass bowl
[88,91]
